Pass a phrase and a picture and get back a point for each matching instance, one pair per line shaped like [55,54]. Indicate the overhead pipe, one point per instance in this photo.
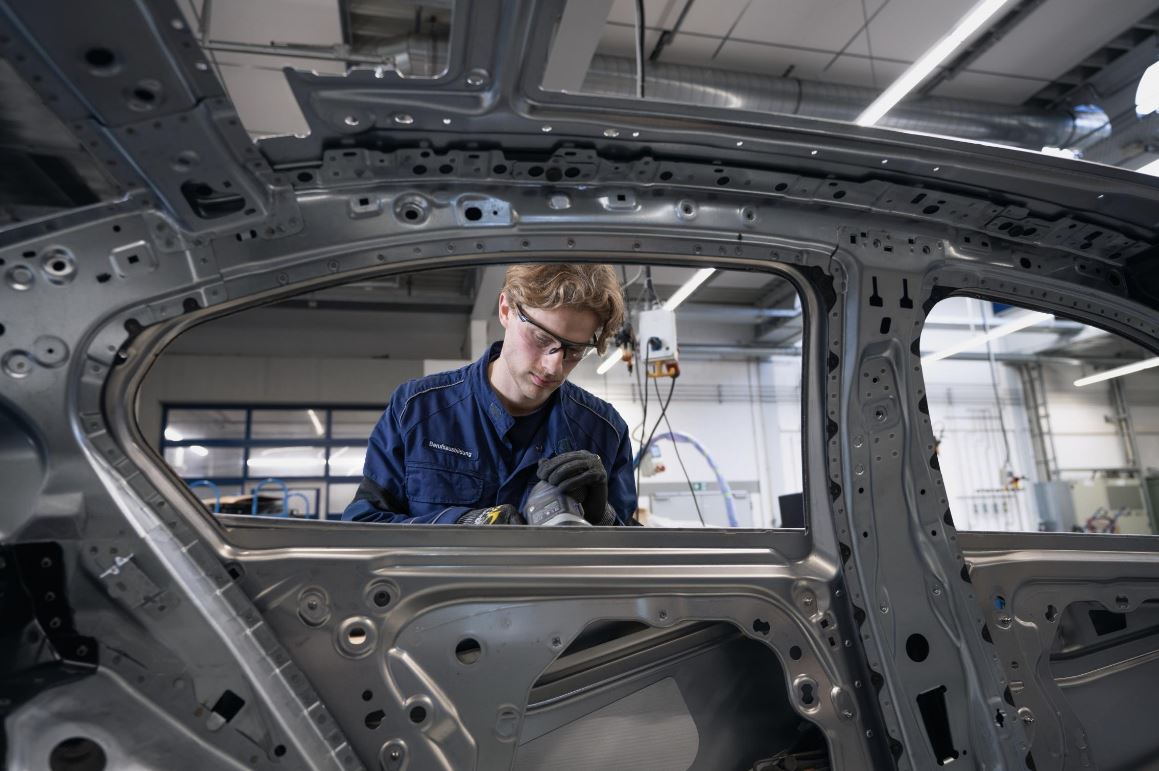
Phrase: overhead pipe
[958,118]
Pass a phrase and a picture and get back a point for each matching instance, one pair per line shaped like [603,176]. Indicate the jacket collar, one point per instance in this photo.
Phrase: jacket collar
[485,395]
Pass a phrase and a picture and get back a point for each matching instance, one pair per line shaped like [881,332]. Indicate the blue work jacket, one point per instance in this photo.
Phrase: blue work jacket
[441,449]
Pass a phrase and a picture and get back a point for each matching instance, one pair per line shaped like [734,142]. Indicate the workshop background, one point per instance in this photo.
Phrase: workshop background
[290,391]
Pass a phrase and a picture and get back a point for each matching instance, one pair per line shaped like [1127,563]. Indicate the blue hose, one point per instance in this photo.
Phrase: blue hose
[725,490]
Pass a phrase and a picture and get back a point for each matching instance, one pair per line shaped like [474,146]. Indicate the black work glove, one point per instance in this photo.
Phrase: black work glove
[581,475]
[503,514]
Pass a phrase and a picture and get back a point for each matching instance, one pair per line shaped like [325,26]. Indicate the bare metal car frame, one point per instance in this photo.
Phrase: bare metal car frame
[147,623]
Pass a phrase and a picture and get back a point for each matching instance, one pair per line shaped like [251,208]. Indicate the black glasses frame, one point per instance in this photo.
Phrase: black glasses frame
[567,346]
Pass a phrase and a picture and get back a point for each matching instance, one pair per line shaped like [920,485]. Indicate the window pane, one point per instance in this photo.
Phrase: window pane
[198,462]
[354,424]
[286,462]
[340,497]
[1025,441]
[347,461]
[204,424]
[288,424]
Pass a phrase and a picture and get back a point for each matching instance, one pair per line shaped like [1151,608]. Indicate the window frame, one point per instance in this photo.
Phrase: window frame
[247,442]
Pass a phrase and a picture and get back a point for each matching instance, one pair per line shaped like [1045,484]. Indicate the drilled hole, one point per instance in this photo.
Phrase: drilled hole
[917,647]
[144,95]
[101,60]
[77,753]
[468,650]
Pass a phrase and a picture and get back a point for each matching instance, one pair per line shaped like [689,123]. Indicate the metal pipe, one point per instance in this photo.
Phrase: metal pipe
[733,313]
[1127,426]
[705,349]
[963,119]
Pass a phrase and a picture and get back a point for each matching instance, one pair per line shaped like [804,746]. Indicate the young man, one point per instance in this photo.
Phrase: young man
[466,447]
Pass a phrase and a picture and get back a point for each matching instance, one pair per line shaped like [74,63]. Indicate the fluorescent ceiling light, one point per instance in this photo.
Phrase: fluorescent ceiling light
[198,450]
[1151,168]
[681,294]
[1147,93]
[317,423]
[1118,372]
[273,461]
[927,62]
[1029,320]
[172,434]
[613,357]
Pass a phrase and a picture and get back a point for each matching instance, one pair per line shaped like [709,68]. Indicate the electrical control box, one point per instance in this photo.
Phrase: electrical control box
[656,336]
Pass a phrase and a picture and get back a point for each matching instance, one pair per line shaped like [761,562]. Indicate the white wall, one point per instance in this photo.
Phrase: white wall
[747,416]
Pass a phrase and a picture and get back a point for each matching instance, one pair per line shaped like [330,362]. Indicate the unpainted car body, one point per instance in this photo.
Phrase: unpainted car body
[171,638]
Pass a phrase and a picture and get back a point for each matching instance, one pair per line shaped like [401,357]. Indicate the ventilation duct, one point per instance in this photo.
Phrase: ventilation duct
[961,119]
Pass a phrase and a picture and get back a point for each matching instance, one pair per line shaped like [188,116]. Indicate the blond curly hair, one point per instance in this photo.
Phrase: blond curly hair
[595,288]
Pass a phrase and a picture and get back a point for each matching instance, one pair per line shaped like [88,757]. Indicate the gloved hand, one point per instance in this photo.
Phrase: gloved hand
[548,507]
[503,514]
[581,475]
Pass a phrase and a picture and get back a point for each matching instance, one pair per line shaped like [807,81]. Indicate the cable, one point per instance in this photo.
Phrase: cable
[640,49]
[997,396]
[643,419]
[663,411]
[676,447]
[649,287]
[626,282]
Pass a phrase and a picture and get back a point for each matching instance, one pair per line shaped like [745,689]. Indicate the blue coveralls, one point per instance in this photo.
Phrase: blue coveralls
[441,448]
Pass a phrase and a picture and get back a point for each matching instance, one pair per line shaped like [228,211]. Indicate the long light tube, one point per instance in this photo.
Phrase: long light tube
[927,62]
[610,361]
[1138,366]
[282,462]
[682,294]
[673,302]
[1029,320]
[317,423]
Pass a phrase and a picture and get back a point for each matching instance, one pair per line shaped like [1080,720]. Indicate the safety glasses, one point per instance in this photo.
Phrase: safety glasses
[550,343]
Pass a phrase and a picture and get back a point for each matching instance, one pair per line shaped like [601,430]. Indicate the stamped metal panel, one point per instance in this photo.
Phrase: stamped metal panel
[863,240]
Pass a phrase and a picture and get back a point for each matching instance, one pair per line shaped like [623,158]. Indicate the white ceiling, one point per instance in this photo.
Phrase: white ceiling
[829,40]
[856,42]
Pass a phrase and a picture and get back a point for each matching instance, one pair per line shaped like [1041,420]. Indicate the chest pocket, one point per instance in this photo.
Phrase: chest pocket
[434,484]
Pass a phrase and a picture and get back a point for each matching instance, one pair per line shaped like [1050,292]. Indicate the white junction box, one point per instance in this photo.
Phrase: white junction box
[656,334]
